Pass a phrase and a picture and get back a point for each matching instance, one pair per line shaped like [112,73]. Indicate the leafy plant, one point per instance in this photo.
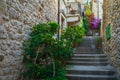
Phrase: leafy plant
[74,34]
[85,24]
[88,10]
[79,33]
[44,54]
[99,42]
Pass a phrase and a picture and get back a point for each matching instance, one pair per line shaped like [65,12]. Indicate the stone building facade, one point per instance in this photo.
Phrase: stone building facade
[97,8]
[111,16]
[16,20]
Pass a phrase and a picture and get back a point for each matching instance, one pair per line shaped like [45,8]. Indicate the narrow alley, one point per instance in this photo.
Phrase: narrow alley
[59,39]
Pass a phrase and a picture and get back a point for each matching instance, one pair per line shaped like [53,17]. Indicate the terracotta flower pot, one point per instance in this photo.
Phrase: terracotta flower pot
[99,46]
[75,44]
[64,62]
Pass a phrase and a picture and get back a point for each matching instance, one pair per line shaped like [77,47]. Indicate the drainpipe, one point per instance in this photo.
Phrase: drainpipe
[98,9]
[58,17]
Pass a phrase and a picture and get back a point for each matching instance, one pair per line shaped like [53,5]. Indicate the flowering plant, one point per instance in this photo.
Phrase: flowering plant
[96,23]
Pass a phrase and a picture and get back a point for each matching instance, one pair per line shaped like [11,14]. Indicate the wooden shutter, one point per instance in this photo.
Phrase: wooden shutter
[108,32]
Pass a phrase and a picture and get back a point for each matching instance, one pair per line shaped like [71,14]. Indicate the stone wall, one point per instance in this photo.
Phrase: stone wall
[16,20]
[111,15]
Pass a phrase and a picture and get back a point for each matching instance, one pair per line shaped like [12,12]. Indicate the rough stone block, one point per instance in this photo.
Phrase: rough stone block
[12,13]
[2,6]
[1,58]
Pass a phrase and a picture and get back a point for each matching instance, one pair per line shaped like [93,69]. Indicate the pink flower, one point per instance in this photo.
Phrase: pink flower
[96,23]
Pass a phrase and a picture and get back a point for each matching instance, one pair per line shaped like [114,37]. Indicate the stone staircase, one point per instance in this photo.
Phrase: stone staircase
[88,63]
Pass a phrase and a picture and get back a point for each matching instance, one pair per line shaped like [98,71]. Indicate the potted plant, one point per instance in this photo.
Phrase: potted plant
[79,33]
[75,44]
[99,42]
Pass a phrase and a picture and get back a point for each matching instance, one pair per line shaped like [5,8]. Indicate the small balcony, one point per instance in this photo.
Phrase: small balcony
[73,8]
[73,13]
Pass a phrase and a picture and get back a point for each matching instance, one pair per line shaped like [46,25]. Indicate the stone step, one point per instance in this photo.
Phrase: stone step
[85,48]
[89,59]
[90,77]
[87,63]
[86,51]
[89,52]
[94,70]
[90,55]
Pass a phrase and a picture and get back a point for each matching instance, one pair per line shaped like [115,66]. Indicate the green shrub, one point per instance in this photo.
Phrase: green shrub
[74,33]
[44,55]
